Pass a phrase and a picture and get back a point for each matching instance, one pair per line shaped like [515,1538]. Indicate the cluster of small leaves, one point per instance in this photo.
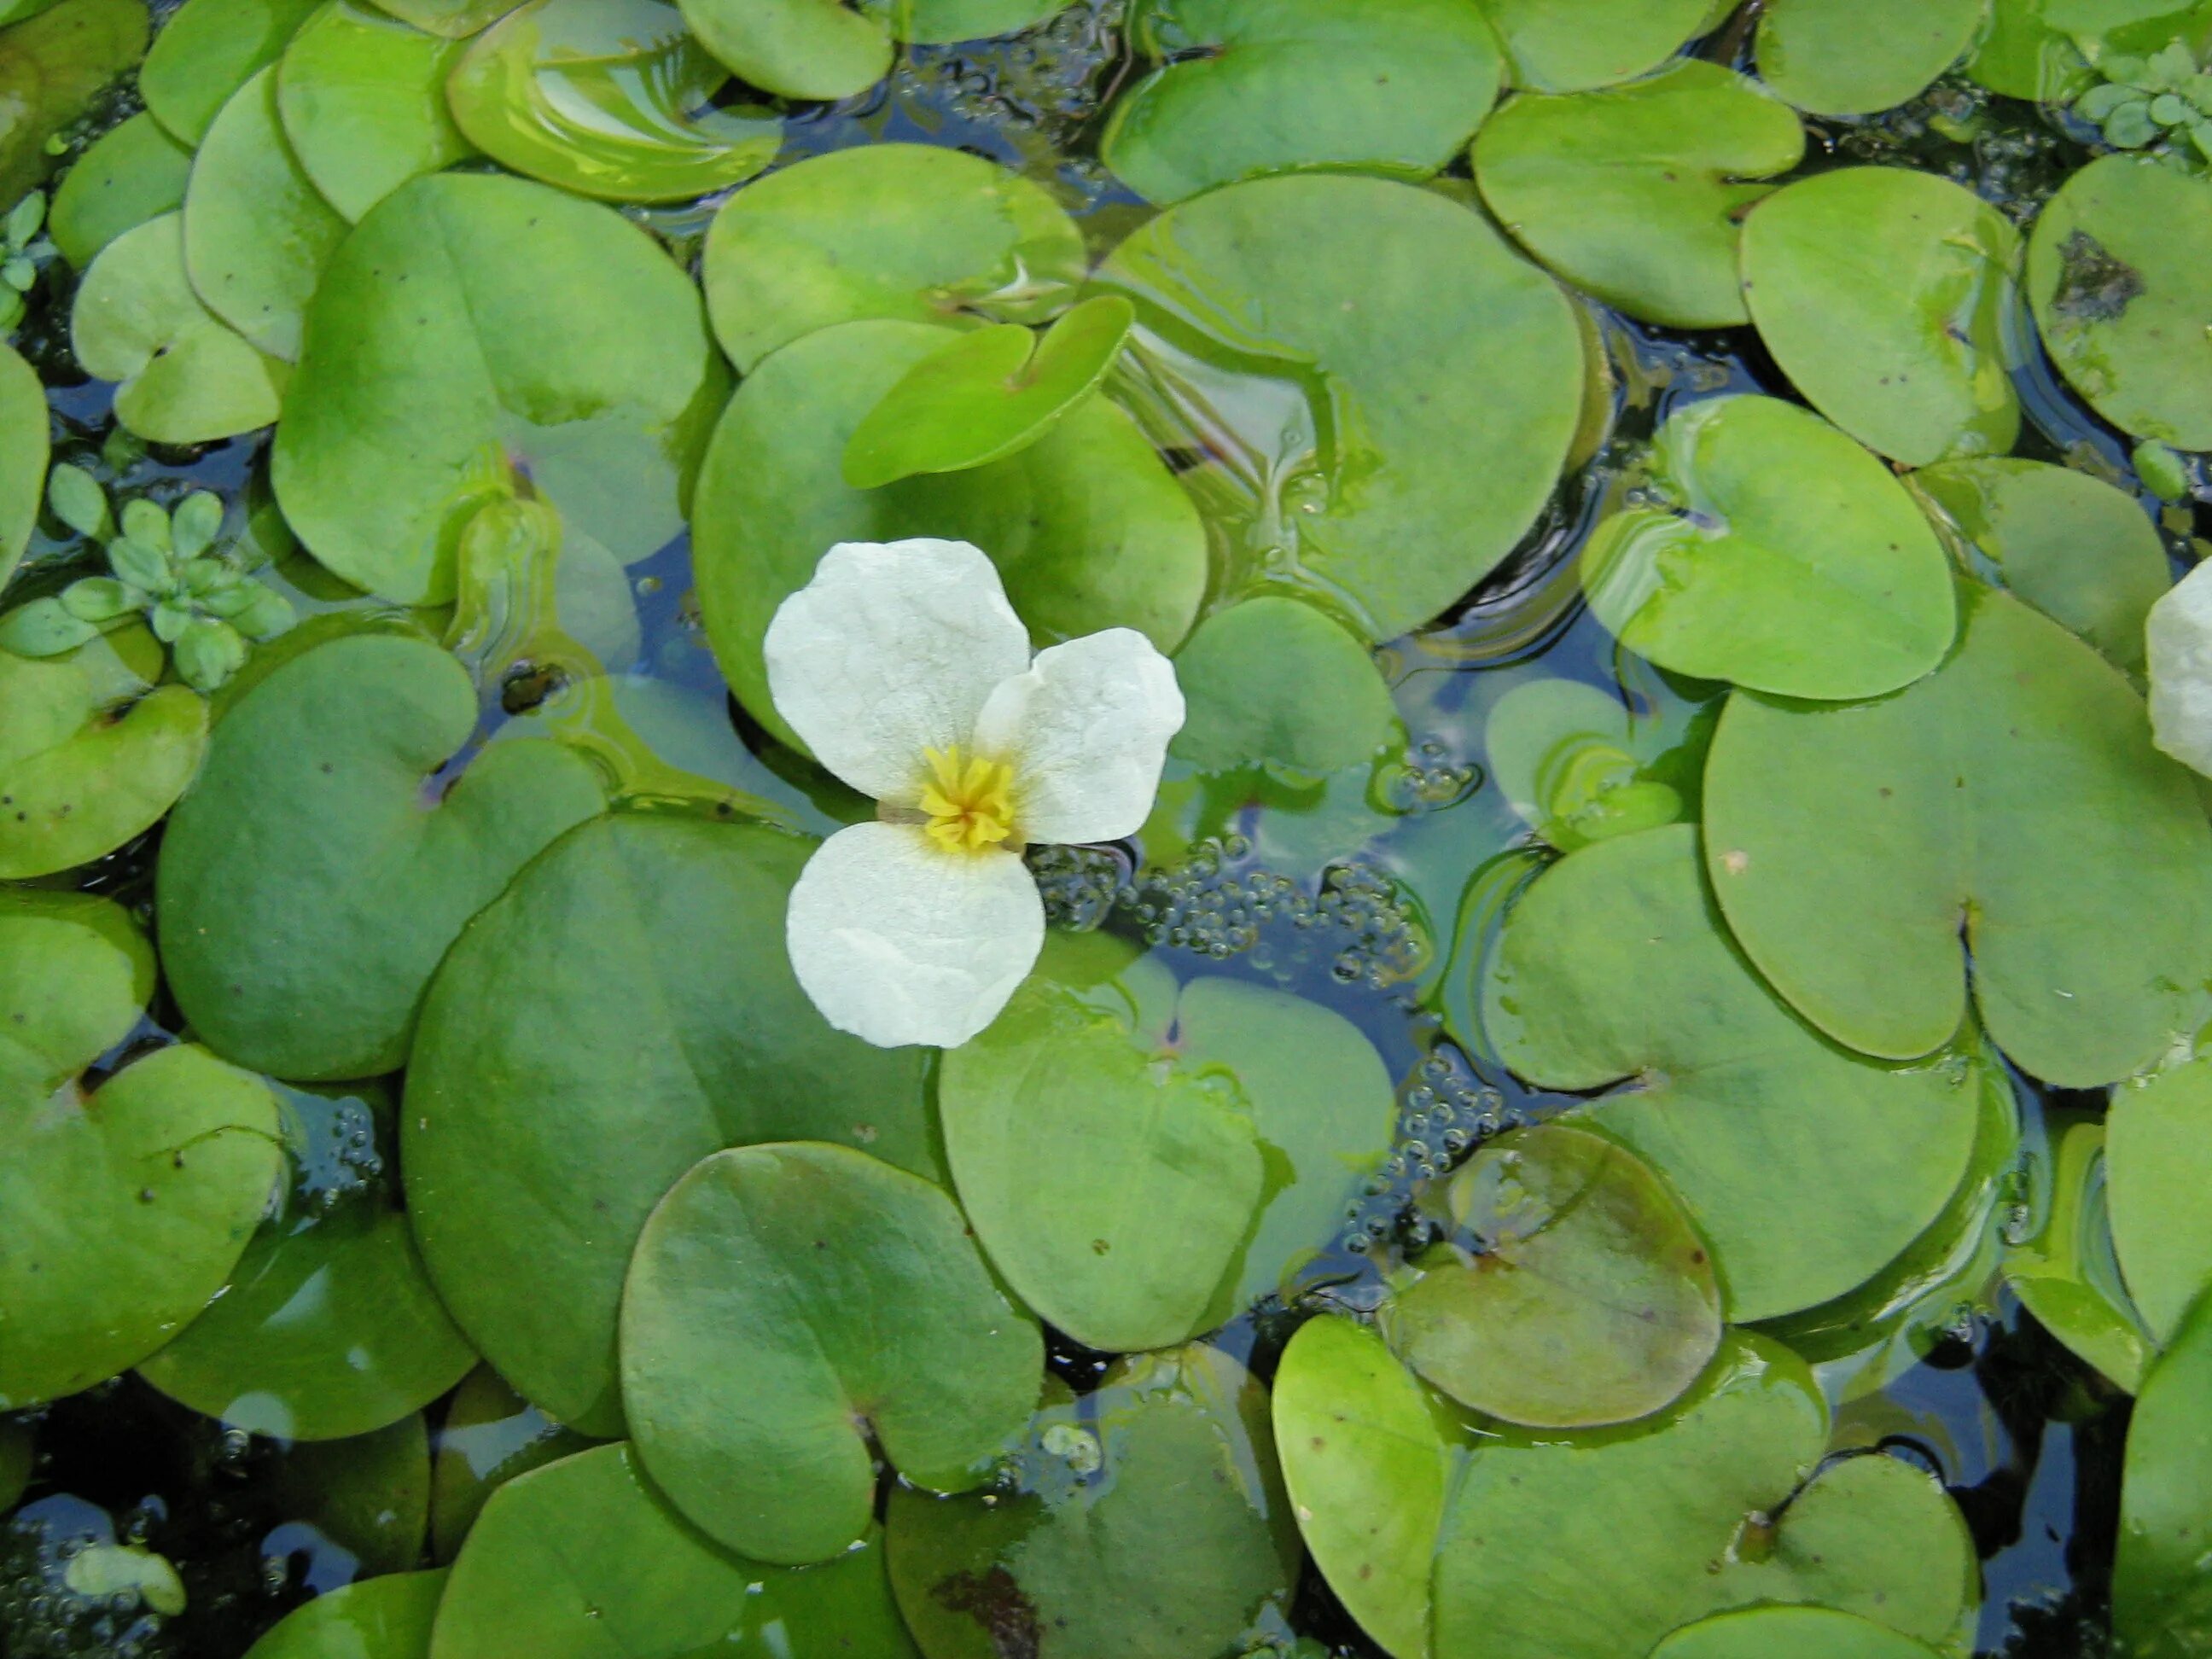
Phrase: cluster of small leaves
[2162,103]
[23,250]
[202,603]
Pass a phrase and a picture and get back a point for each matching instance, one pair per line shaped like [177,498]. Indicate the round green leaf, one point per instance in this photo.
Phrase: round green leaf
[984,396]
[23,452]
[363,101]
[187,377]
[1592,1300]
[1635,193]
[2158,1154]
[909,232]
[50,67]
[134,172]
[1403,421]
[1616,965]
[1245,89]
[472,328]
[1087,526]
[2012,795]
[1888,298]
[1599,1547]
[789,1309]
[1574,766]
[623,1010]
[207,51]
[1858,57]
[582,1551]
[304,870]
[1367,1465]
[1274,680]
[2084,554]
[387,1618]
[795,48]
[489,1436]
[1787,559]
[608,98]
[1145,1518]
[2161,1597]
[257,233]
[2119,270]
[1571,46]
[1800,1633]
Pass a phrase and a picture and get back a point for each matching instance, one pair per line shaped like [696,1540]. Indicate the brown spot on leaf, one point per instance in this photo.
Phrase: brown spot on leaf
[994,1600]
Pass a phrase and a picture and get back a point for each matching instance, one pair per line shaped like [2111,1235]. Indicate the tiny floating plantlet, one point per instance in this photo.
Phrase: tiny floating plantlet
[2161,104]
[23,250]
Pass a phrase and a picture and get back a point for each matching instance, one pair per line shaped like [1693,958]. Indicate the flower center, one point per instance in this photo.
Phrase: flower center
[968,800]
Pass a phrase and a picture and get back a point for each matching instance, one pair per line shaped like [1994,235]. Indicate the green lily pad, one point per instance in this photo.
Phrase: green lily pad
[369,1495]
[1859,57]
[1403,421]
[329,1326]
[1087,526]
[1787,559]
[623,1010]
[473,328]
[1147,1518]
[456,20]
[566,1556]
[1368,1463]
[23,450]
[134,172]
[1799,1206]
[80,772]
[305,868]
[208,50]
[1598,1548]
[490,1435]
[807,49]
[1571,46]
[1573,765]
[608,100]
[1800,1633]
[760,1372]
[986,395]
[186,377]
[2158,1157]
[1635,193]
[2084,554]
[1888,298]
[2068,1275]
[51,65]
[363,101]
[2013,796]
[2162,1598]
[1274,680]
[1244,88]
[387,1618]
[1592,1300]
[905,232]
[258,234]
[2119,271]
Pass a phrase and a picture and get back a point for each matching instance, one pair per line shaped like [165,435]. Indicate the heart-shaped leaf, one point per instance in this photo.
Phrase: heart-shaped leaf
[1802,1632]
[2162,1598]
[1860,57]
[387,1618]
[23,450]
[55,62]
[1273,680]
[306,869]
[1571,45]
[209,49]
[2158,1158]
[134,172]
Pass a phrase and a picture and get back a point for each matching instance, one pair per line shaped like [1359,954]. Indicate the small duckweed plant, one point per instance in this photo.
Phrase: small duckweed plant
[1142,829]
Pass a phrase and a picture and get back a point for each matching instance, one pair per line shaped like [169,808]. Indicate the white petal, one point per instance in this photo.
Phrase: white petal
[2179,636]
[1087,730]
[899,941]
[891,649]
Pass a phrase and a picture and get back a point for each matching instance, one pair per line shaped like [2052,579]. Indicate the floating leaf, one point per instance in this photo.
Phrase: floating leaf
[50,66]
[1635,193]
[456,20]
[1147,1518]
[1404,421]
[986,395]
[2014,796]
[566,1554]
[387,1618]
[368,1495]
[363,101]
[1786,559]
[1088,528]
[2084,554]
[804,49]
[2067,1274]
[909,232]
[2119,270]
[1597,1547]
[187,378]
[303,870]
[1593,1299]
[473,328]
[134,172]
[490,1435]
[1274,680]
[1888,298]
[1802,1632]
[1244,88]
[608,100]
[1859,57]
[623,1010]
[2158,1156]
[23,451]
[208,50]
[1571,45]
[1571,761]
[2161,1597]
[1614,965]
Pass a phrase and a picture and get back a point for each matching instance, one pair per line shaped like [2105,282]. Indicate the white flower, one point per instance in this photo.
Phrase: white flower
[904,669]
[2177,636]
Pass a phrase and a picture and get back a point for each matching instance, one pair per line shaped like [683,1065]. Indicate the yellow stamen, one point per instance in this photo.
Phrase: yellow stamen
[970,802]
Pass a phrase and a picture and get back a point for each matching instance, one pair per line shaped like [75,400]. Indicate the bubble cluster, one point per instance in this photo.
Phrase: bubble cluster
[44,1550]
[1967,135]
[1445,1112]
